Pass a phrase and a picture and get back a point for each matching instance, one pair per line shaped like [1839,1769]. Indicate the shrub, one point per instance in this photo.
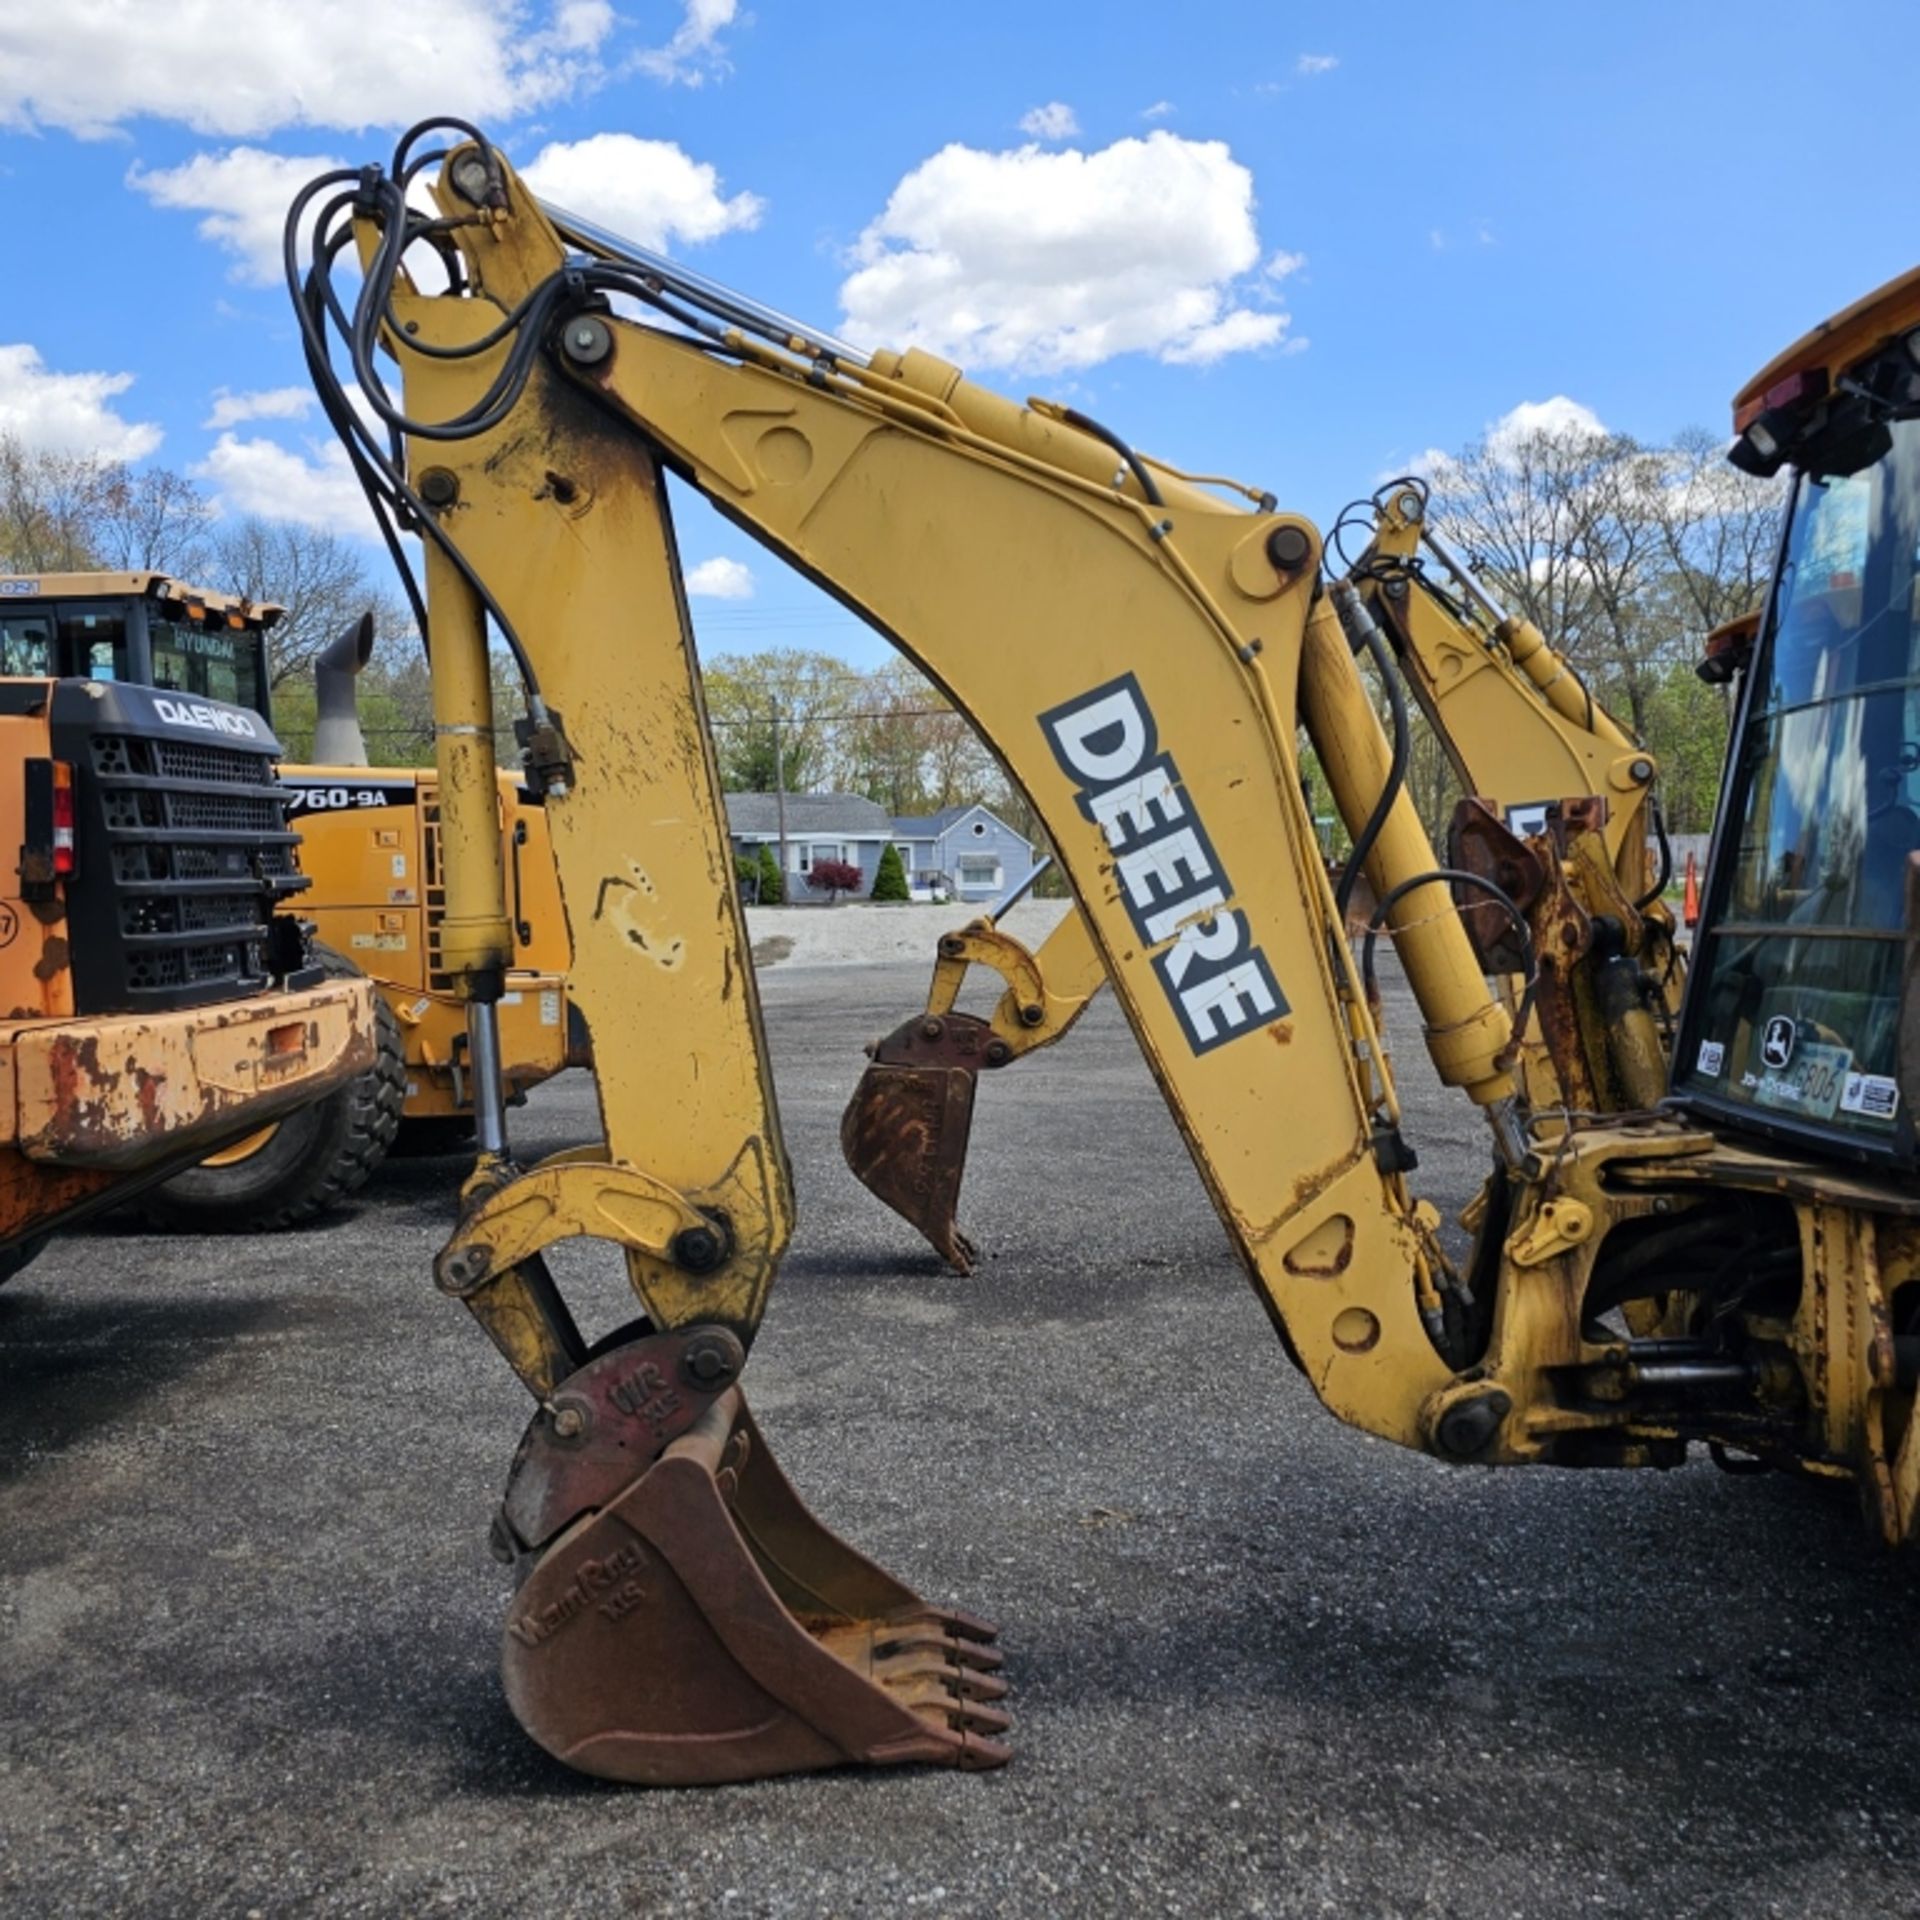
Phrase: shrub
[746,873]
[890,877]
[773,884]
[834,877]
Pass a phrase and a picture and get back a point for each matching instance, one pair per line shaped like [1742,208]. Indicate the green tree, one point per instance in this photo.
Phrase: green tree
[890,877]
[773,884]
[745,691]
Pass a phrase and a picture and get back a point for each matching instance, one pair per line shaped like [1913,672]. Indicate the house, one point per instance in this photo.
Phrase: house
[960,853]
[820,826]
[967,853]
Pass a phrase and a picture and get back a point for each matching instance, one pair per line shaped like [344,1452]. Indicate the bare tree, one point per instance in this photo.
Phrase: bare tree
[46,509]
[65,512]
[1622,554]
[320,579]
[155,518]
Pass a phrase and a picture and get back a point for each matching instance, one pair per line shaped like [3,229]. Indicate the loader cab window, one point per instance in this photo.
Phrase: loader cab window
[214,660]
[92,642]
[1794,1014]
[26,644]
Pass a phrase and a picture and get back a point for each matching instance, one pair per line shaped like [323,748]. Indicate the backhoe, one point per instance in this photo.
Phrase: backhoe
[1541,762]
[1734,1266]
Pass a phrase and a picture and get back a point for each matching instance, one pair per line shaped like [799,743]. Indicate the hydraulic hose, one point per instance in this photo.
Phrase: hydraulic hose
[1355,618]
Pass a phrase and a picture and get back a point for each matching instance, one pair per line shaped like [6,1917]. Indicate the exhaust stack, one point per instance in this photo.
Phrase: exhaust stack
[337,739]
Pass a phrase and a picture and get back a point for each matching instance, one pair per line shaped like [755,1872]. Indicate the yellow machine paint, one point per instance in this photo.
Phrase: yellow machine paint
[1146,657]
[370,841]
[1562,796]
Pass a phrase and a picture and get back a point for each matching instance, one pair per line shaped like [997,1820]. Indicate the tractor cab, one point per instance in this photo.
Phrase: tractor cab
[1801,1018]
[140,627]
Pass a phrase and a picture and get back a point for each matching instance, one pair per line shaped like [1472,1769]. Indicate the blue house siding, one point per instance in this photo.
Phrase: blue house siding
[977,856]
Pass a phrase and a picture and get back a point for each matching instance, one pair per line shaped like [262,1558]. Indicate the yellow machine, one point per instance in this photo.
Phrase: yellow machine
[157,1001]
[1560,813]
[1738,1268]
[369,848]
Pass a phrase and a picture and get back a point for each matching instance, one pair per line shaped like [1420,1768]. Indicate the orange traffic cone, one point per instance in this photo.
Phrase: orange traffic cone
[1690,900]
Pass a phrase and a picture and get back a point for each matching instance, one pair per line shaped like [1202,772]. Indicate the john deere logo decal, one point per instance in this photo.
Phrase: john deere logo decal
[1777,1043]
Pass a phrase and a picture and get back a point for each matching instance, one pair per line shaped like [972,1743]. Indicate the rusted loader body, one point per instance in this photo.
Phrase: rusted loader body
[1145,654]
[154,1001]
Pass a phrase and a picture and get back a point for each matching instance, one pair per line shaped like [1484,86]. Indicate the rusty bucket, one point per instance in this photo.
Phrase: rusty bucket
[905,1130]
[692,1622]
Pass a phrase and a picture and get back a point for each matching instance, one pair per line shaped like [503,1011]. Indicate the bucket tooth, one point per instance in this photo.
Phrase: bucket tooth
[702,1626]
[906,1129]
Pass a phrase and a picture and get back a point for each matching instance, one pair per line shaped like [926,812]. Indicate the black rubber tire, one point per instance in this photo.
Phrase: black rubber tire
[21,1255]
[317,1156]
[437,1133]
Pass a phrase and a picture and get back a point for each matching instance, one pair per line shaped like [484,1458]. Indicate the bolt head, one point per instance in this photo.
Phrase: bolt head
[698,1249]
[712,1359]
[569,1422]
[931,1029]
[1288,547]
[586,341]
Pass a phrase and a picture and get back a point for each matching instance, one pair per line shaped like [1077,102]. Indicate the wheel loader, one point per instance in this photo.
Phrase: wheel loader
[1733,1266]
[369,853]
[159,1000]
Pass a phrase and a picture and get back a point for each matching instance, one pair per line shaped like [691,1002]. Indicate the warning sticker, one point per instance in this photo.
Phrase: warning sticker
[1875,1095]
[1713,1057]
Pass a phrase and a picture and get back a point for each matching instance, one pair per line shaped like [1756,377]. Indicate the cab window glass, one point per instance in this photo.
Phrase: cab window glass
[218,662]
[1795,1004]
[26,643]
[94,644]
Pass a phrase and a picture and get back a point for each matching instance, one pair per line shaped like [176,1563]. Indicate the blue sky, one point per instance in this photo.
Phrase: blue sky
[1300,244]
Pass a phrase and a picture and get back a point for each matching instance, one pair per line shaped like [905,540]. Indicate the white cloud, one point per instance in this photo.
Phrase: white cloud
[696,53]
[262,477]
[68,412]
[1056,261]
[1234,333]
[1558,418]
[720,579]
[1309,65]
[1054,121]
[244,68]
[1284,263]
[1506,437]
[271,403]
[1158,111]
[244,194]
[644,190]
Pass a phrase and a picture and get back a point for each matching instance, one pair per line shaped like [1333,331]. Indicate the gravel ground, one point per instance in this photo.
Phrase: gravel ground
[860,934]
[1264,1665]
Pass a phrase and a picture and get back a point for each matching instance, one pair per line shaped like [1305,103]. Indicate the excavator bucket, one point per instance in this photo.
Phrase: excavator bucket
[905,1130]
[694,1623]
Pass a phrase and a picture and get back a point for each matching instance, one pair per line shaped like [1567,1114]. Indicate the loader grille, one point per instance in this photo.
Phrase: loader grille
[183,854]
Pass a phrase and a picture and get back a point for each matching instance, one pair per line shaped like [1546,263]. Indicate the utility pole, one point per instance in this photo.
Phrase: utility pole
[780,800]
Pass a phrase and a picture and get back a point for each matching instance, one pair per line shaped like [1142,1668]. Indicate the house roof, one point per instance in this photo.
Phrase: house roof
[847,813]
[929,826]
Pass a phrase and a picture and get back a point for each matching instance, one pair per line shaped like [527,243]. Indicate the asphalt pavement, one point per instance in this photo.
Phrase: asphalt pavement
[1264,1664]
